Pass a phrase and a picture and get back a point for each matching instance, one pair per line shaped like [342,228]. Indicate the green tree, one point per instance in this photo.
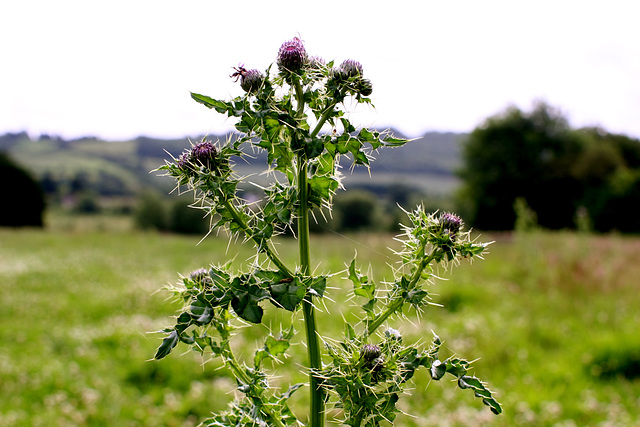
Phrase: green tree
[357,210]
[608,170]
[185,219]
[151,212]
[520,155]
[23,201]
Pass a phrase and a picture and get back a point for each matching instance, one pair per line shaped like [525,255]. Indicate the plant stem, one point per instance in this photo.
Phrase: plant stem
[265,246]
[316,416]
[397,304]
[316,412]
[323,118]
[239,373]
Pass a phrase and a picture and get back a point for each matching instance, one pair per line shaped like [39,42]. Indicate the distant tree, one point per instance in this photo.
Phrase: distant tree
[608,170]
[521,155]
[151,212]
[357,210]
[87,202]
[23,201]
[185,219]
[79,183]
[49,184]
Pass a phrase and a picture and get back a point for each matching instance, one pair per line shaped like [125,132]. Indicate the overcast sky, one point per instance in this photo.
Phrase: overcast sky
[119,69]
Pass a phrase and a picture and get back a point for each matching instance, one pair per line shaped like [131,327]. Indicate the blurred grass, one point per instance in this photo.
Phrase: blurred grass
[552,316]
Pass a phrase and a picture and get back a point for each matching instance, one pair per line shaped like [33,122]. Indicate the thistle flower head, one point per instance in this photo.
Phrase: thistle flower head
[204,153]
[292,55]
[184,163]
[450,223]
[250,80]
[316,62]
[351,68]
[200,276]
[370,352]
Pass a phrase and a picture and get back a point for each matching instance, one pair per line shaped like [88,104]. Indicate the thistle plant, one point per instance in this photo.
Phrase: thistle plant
[297,115]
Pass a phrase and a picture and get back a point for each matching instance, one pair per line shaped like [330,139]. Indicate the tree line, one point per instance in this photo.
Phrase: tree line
[515,162]
[563,175]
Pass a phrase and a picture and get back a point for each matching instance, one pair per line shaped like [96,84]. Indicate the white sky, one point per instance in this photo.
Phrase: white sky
[119,69]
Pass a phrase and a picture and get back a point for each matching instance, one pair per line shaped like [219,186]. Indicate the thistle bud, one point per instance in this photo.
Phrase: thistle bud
[251,80]
[450,222]
[292,56]
[364,87]
[316,62]
[200,276]
[370,352]
[204,153]
[393,334]
[351,68]
[184,163]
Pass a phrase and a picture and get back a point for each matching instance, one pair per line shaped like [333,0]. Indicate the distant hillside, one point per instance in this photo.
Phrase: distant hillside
[426,164]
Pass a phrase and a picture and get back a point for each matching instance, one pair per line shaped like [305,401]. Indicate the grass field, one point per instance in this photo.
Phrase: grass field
[553,318]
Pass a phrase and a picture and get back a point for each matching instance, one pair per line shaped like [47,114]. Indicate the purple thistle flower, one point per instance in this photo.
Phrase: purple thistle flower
[450,222]
[370,352]
[183,162]
[251,80]
[292,55]
[204,153]
[316,62]
[351,68]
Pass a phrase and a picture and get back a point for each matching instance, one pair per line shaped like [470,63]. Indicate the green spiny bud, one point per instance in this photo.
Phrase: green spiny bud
[251,81]
[364,87]
[184,163]
[393,334]
[201,276]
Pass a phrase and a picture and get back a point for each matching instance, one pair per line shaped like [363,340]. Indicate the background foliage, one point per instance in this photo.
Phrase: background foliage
[23,201]
[558,171]
[568,356]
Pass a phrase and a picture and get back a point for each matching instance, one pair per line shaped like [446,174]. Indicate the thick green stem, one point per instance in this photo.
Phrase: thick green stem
[316,416]
[316,413]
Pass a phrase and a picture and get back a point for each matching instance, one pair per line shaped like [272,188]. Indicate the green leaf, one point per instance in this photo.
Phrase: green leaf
[313,147]
[438,369]
[318,286]
[457,367]
[245,303]
[288,295]
[219,106]
[349,332]
[390,141]
[276,346]
[247,309]
[167,345]
[480,391]
[202,311]
[323,186]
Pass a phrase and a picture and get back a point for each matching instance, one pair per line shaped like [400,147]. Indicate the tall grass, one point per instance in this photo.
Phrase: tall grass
[555,316]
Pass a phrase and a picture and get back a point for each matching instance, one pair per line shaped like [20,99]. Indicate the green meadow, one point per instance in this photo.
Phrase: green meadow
[552,319]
